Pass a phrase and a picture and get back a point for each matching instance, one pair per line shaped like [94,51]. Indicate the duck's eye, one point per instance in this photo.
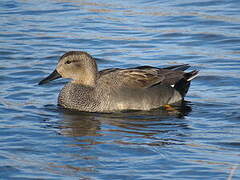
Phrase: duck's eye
[68,62]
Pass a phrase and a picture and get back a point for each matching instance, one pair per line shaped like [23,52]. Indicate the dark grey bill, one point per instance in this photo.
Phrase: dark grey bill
[52,76]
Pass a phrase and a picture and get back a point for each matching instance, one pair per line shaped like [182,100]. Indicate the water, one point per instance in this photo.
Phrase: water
[40,141]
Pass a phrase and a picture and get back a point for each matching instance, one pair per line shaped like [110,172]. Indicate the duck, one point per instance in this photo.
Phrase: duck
[117,89]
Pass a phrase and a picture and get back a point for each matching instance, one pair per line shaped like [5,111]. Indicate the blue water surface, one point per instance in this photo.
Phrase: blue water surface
[200,140]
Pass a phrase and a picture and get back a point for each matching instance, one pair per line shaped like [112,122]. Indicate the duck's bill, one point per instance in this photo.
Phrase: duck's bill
[52,76]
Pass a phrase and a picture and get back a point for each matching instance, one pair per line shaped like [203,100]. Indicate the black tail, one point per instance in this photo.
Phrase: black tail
[182,86]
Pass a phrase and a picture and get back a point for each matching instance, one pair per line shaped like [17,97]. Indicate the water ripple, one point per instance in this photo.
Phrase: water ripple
[199,139]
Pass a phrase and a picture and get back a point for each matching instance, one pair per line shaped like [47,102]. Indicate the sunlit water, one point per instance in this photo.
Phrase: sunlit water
[199,141]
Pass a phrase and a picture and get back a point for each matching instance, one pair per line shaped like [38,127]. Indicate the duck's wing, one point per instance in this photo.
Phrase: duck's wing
[181,67]
[107,71]
[168,76]
[173,74]
[147,76]
[141,78]
[132,77]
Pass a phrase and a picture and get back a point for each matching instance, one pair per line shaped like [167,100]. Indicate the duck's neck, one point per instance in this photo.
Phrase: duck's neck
[89,79]
[88,76]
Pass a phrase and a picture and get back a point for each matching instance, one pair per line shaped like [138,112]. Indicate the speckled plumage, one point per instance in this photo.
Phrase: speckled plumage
[140,88]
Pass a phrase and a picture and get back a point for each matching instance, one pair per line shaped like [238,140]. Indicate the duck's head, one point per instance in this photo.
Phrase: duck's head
[76,65]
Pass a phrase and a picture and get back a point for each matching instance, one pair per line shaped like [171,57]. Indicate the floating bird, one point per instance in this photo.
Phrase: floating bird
[116,89]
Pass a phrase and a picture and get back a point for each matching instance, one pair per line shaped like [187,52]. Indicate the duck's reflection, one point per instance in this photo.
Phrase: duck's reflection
[98,128]
[80,124]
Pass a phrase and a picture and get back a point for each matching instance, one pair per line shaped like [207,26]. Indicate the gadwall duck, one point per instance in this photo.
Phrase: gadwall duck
[115,89]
